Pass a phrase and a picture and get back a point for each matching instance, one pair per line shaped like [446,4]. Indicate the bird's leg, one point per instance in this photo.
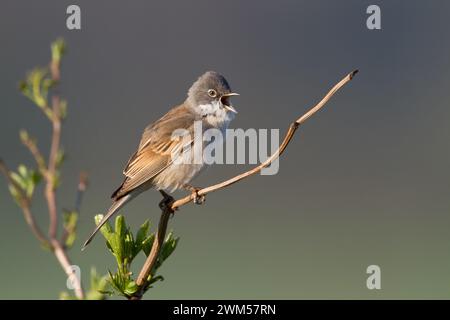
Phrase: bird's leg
[198,199]
[167,201]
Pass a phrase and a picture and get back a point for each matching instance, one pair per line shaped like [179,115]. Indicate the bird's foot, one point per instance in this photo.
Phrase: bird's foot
[198,199]
[166,202]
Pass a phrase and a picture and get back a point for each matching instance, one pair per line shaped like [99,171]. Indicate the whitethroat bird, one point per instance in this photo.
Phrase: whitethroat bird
[154,163]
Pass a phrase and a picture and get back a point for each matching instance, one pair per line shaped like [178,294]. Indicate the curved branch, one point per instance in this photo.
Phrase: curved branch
[154,253]
[66,264]
[35,152]
[293,127]
[162,227]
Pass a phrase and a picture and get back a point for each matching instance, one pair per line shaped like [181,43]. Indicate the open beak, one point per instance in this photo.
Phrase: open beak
[226,103]
[231,94]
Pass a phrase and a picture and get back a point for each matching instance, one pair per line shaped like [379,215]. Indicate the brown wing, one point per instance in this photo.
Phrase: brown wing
[156,149]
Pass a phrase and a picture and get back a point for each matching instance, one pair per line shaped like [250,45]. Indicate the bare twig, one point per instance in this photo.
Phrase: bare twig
[65,263]
[162,227]
[51,171]
[82,185]
[50,196]
[34,150]
[154,252]
[29,218]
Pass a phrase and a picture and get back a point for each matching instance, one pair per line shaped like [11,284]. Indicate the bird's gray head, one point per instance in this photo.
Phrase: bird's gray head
[211,89]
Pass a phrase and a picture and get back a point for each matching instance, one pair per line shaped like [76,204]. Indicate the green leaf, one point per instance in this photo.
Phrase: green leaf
[124,246]
[19,180]
[120,241]
[36,177]
[30,187]
[120,227]
[39,93]
[23,87]
[58,49]
[98,218]
[106,230]
[117,241]
[142,232]
[169,246]
[33,178]
[129,246]
[70,239]
[70,225]
[148,243]
[130,288]
[15,194]
[35,87]
[141,237]
[70,219]
[60,157]
[99,286]
[24,136]
[151,280]
[121,283]
[167,249]
[64,295]
[24,182]
[63,108]
[56,179]
[23,171]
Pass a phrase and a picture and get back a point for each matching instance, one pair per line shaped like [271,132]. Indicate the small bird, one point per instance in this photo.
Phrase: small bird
[154,163]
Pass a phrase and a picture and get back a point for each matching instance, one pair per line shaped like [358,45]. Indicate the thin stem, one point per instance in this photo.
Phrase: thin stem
[37,155]
[29,218]
[162,227]
[65,263]
[82,185]
[51,177]
[156,247]
[51,171]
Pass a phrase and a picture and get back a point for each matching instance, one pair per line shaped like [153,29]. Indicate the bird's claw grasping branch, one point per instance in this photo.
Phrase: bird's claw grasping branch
[168,210]
[196,198]
[166,202]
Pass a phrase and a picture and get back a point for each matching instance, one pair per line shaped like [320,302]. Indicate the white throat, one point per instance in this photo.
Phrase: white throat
[215,114]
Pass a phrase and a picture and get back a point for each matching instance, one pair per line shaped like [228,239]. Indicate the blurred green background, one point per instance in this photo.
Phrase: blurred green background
[366,181]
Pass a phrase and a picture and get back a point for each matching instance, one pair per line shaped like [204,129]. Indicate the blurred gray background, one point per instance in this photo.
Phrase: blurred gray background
[366,181]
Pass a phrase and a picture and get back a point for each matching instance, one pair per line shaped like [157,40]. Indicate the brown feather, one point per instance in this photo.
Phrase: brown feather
[155,149]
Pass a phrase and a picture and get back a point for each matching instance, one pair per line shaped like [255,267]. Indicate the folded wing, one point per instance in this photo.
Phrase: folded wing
[158,149]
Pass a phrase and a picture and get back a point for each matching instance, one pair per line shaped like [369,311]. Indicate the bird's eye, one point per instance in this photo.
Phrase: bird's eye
[212,93]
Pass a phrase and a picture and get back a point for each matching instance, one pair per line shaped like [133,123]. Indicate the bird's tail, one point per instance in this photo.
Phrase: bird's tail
[117,204]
